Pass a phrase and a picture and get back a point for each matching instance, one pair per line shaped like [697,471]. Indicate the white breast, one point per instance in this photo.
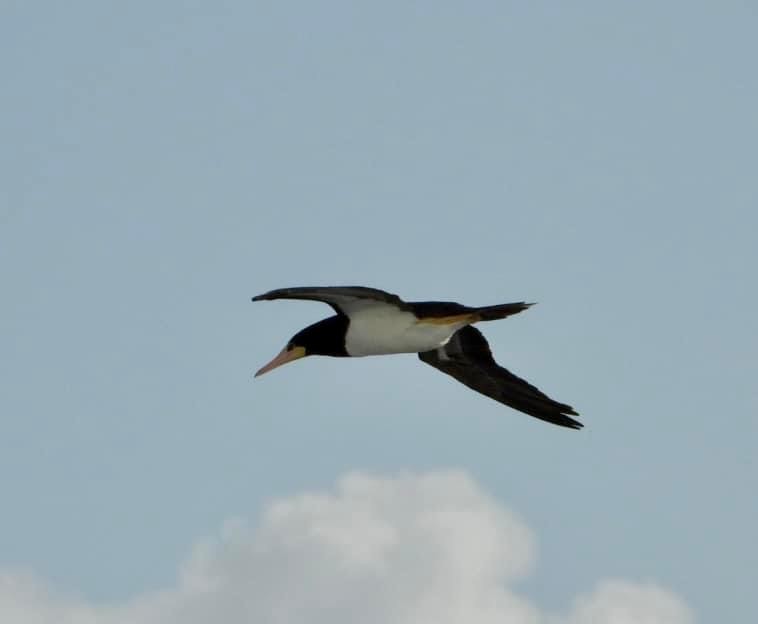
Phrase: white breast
[381,330]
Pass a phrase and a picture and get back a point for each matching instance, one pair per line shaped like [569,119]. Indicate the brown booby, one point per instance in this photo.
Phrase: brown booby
[374,322]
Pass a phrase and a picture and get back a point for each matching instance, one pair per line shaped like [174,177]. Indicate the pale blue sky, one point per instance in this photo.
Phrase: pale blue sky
[163,162]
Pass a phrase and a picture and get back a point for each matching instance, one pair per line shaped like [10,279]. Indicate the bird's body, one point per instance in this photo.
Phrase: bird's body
[374,322]
[385,330]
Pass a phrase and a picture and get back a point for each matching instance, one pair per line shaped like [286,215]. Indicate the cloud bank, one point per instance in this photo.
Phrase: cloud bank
[413,549]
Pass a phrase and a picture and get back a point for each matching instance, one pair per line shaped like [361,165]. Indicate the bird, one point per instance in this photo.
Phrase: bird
[369,321]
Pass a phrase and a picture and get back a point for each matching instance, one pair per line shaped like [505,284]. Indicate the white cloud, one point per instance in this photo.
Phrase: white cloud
[621,602]
[413,549]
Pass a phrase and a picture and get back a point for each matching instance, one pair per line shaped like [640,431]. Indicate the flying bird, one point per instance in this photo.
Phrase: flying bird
[369,321]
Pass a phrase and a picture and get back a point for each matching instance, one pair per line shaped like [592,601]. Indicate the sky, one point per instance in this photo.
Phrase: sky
[160,164]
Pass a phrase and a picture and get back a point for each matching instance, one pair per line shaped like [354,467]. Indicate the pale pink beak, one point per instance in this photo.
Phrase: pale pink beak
[284,356]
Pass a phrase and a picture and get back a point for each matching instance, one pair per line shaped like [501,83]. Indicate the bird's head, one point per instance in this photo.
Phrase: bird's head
[326,337]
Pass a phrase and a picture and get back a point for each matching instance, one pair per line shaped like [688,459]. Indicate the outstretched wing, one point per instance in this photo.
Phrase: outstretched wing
[344,299]
[468,358]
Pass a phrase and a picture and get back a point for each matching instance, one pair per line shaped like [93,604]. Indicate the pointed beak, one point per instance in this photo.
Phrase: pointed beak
[284,356]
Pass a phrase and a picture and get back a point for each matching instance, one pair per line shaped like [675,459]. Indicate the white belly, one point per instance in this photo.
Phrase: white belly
[380,331]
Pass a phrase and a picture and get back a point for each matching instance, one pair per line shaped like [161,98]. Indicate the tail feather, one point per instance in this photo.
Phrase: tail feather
[492,313]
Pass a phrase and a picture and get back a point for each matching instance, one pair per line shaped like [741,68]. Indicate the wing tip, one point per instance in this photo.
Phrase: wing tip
[563,417]
[267,296]
[564,420]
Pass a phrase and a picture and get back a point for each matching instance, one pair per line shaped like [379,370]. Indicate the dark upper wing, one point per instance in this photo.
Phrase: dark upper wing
[344,299]
[468,358]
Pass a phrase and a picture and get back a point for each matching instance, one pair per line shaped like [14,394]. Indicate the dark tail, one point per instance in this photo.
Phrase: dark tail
[492,313]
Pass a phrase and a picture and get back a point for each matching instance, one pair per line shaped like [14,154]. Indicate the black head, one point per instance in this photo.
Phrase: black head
[326,337]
